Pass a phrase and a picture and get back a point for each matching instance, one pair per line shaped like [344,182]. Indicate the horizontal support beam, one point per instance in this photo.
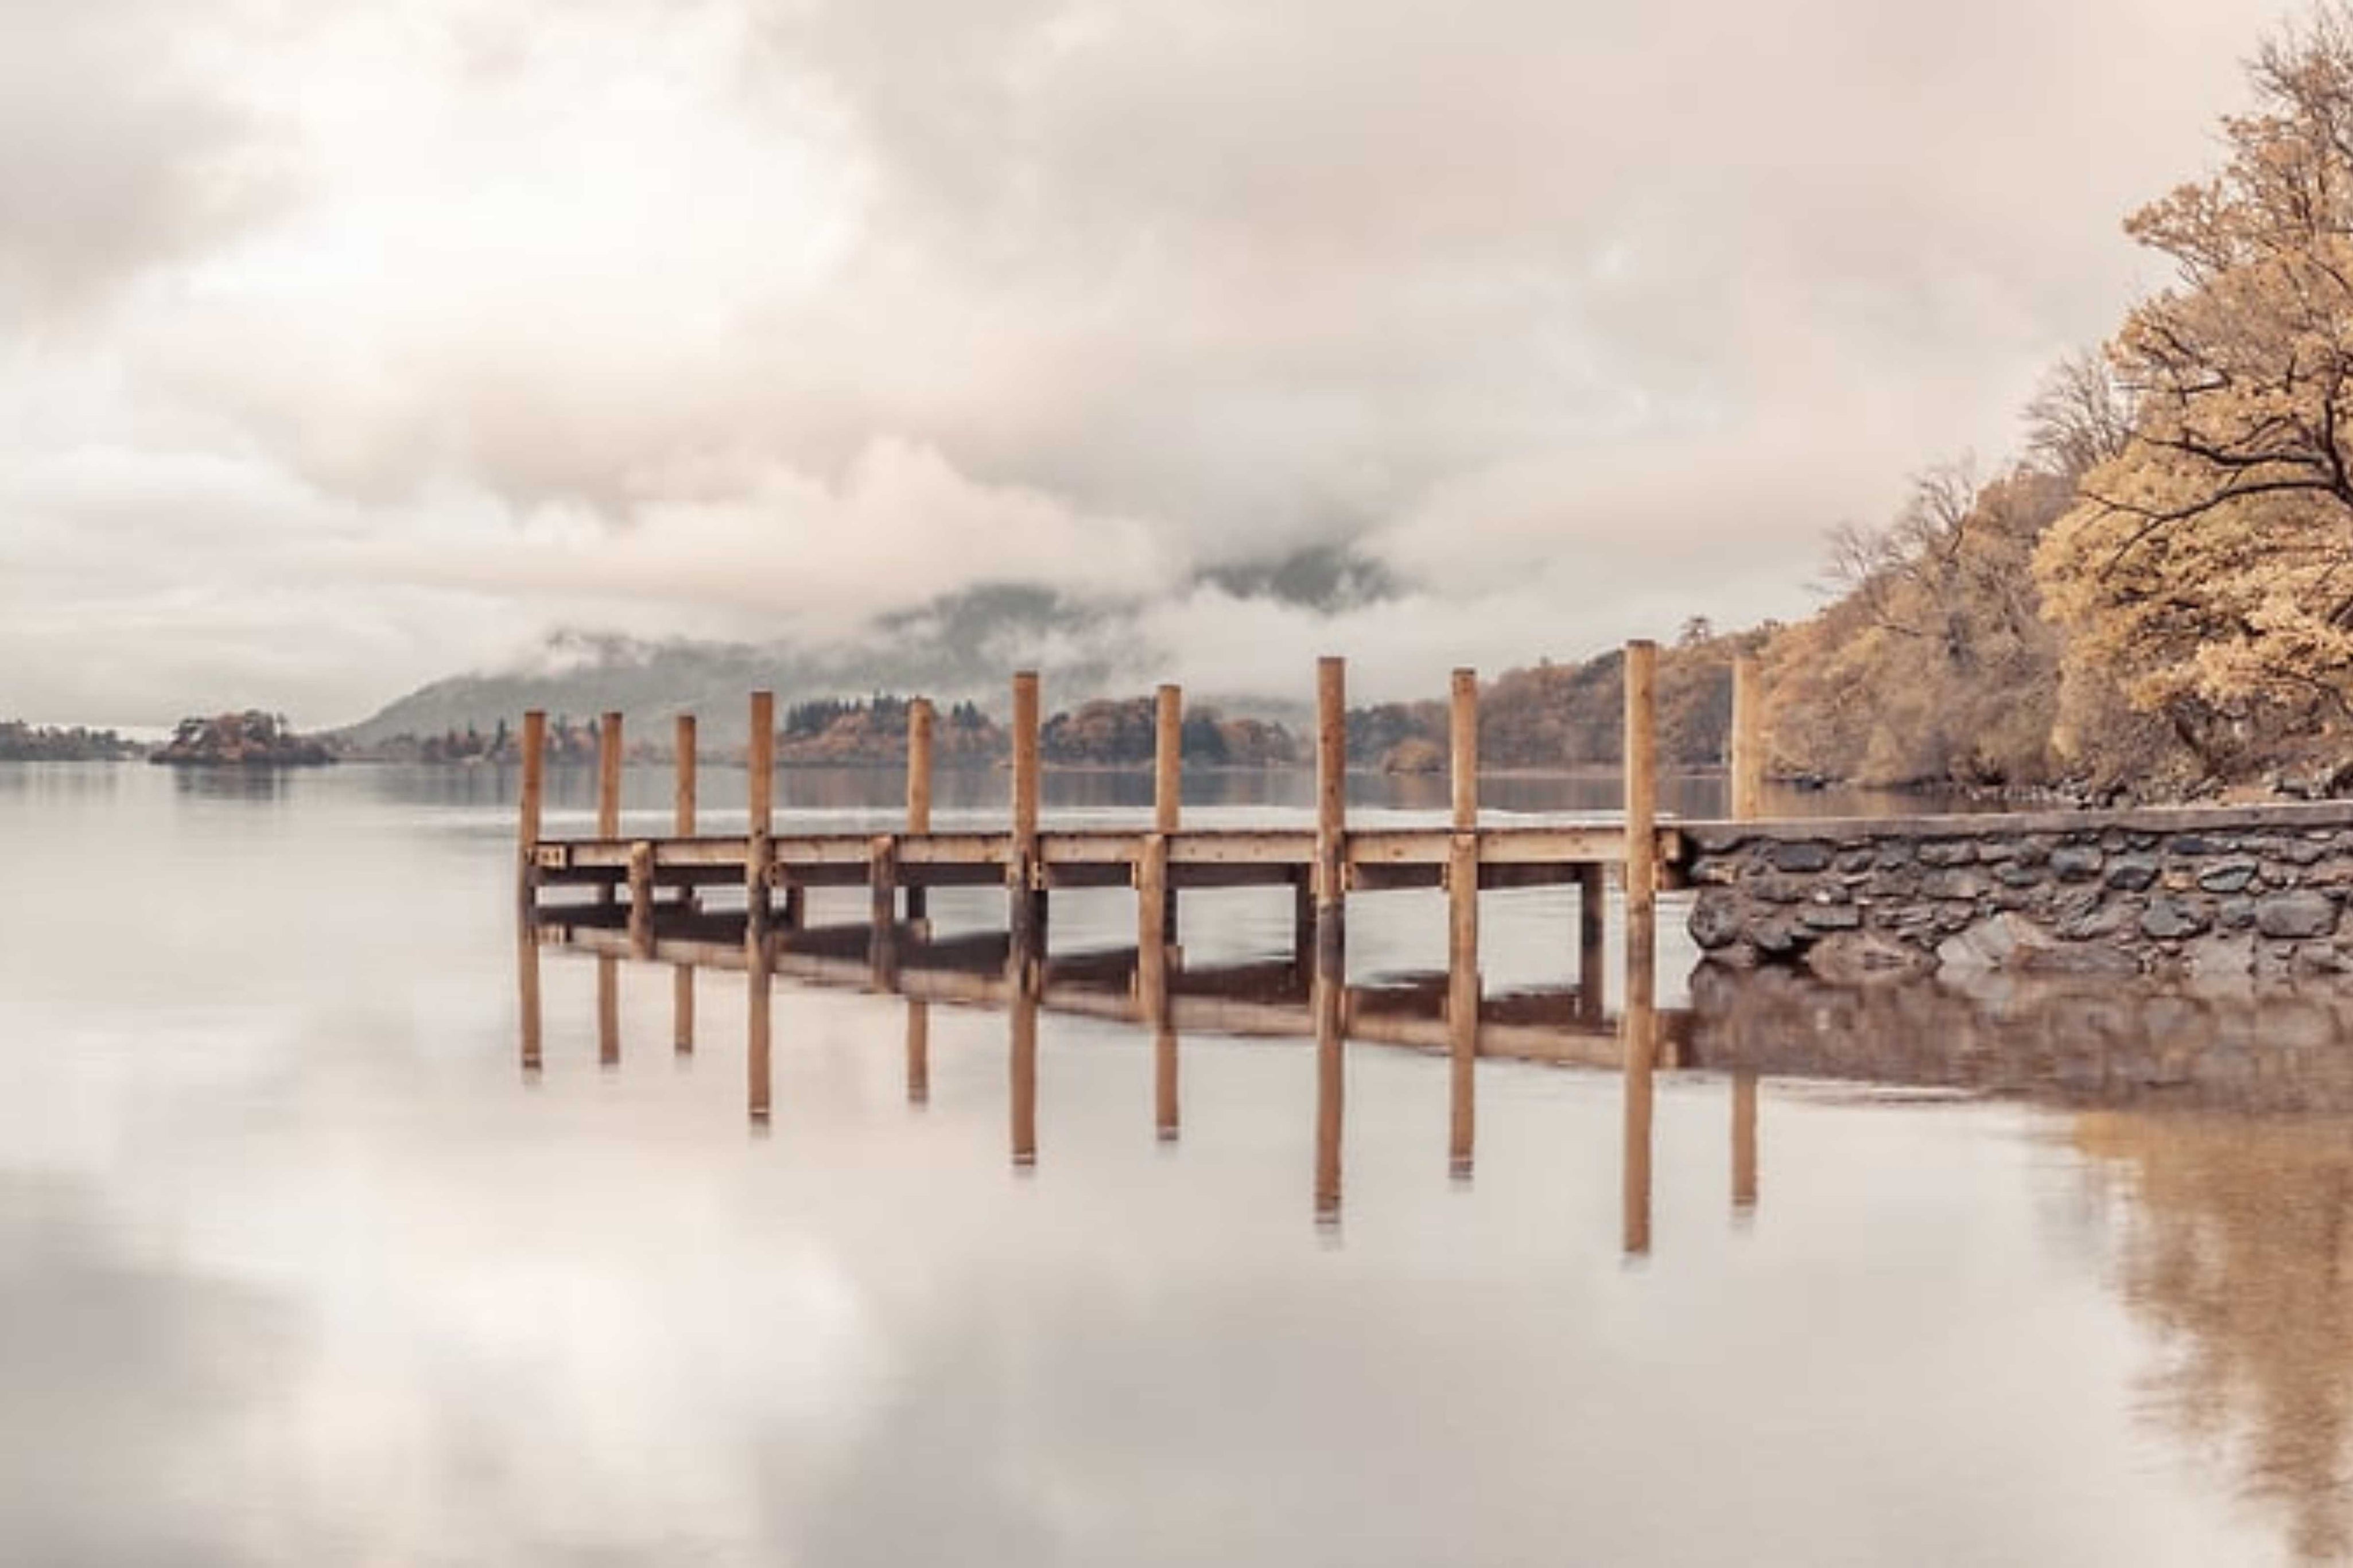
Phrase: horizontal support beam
[1200,857]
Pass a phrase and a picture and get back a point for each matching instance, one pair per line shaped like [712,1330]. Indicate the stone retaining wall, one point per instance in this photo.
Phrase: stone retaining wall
[2219,893]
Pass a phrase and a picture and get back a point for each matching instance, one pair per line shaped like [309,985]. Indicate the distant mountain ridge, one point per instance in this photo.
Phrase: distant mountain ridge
[959,648]
[956,650]
[845,708]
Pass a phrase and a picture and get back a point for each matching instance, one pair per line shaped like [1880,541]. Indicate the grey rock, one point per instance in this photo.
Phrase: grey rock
[1895,852]
[2231,877]
[1901,883]
[1776,889]
[2169,920]
[2296,851]
[2235,914]
[1718,919]
[1854,862]
[1994,943]
[2075,905]
[2132,873]
[1800,855]
[1946,852]
[1832,917]
[1954,885]
[2014,874]
[2295,916]
[2097,922]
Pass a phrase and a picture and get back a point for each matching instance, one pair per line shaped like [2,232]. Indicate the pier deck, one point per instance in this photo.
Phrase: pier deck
[1322,863]
[1372,860]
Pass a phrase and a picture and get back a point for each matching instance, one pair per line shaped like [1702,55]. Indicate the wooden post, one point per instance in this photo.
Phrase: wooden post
[1640,1033]
[1303,921]
[1331,981]
[527,990]
[920,724]
[1641,805]
[1640,1024]
[1167,781]
[682,822]
[641,900]
[609,789]
[1028,896]
[1463,987]
[1152,962]
[608,1012]
[1024,1068]
[1747,761]
[919,1052]
[1464,763]
[535,769]
[882,890]
[1592,924]
[1152,919]
[1330,1112]
[682,810]
[1166,1101]
[608,777]
[760,792]
[1167,759]
[757,1082]
[1331,818]
[1743,1141]
[1462,998]
[1165,1106]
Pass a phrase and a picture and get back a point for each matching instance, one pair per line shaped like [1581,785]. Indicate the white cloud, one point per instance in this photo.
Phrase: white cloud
[405,333]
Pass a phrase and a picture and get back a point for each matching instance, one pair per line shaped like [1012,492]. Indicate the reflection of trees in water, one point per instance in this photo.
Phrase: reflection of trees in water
[2236,1250]
[2069,1040]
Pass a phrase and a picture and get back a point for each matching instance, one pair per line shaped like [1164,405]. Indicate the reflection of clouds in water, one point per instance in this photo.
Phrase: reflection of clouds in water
[124,1387]
[543,1400]
[2236,1246]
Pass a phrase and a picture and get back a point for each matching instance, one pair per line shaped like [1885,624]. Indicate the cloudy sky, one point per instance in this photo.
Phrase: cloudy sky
[346,345]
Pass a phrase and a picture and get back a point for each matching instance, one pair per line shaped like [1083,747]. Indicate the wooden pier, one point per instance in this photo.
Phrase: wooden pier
[1323,863]
[672,899]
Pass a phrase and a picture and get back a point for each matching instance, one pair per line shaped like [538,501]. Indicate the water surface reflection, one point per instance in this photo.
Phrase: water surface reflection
[2026,1280]
[2237,1246]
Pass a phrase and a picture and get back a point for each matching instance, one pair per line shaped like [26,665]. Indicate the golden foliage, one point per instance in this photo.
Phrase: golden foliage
[1937,665]
[2206,576]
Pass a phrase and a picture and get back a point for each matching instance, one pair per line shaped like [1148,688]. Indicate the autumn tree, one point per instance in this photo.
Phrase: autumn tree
[2207,573]
[1934,664]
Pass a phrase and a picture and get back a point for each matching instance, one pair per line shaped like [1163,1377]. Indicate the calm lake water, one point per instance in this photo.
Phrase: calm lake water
[299,1265]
